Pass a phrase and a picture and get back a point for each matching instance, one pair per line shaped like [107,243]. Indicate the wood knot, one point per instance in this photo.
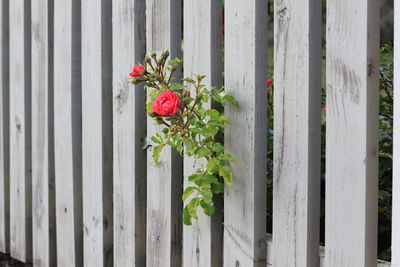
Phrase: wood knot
[18,124]
[237,263]
[283,13]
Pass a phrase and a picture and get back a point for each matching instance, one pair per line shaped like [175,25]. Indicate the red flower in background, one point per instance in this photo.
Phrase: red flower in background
[167,103]
[269,81]
[137,71]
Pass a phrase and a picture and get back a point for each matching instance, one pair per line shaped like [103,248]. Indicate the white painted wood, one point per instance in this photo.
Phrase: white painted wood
[352,133]
[396,142]
[129,44]
[245,138]
[43,197]
[68,132]
[20,131]
[297,132]
[164,202]
[97,132]
[5,128]
[202,242]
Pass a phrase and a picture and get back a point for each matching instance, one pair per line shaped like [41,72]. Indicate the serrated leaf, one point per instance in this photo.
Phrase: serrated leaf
[156,153]
[188,80]
[231,100]
[217,188]
[192,207]
[213,165]
[188,191]
[209,131]
[227,157]
[187,219]
[203,152]
[213,113]
[208,207]
[226,173]
[206,193]
[217,147]
[210,179]
[157,138]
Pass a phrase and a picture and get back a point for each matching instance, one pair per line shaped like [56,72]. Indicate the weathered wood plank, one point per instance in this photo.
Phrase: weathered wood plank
[352,133]
[68,132]
[5,128]
[164,203]
[202,242]
[396,142]
[297,132]
[97,132]
[129,44]
[245,138]
[20,131]
[43,196]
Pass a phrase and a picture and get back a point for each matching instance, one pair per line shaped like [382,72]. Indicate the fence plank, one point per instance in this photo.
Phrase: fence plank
[202,242]
[164,204]
[297,132]
[396,142]
[5,128]
[129,43]
[352,133]
[68,132]
[245,73]
[43,197]
[20,131]
[97,132]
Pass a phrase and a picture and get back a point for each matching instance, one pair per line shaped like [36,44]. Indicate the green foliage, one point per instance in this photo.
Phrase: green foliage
[191,130]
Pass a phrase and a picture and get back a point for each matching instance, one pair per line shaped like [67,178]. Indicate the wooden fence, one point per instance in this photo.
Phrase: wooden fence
[78,189]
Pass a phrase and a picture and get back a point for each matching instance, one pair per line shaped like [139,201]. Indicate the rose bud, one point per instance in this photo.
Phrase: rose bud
[186,93]
[167,103]
[269,81]
[138,70]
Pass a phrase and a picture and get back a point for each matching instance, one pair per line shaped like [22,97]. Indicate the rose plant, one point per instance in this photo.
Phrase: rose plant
[188,126]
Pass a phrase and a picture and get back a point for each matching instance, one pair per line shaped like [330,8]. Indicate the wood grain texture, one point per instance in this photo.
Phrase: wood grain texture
[164,203]
[396,142]
[352,133]
[5,128]
[245,138]
[297,132]
[68,132]
[202,241]
[20,131]
[43,195]
[97,133]
[129,44]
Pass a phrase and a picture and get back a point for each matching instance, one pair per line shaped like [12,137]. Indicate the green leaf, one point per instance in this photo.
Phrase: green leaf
[189,144]
[217,147]
[188,191]
[226,173]
[217,123]
[213,113]
[203,152]
[210,179]
[157,139]
[213,165]
[208,207]
[176,86]
[209,131]
[206,193]
[192,207]
[187,219]
[217,188]
[231,100]
[156,153]
[188,80]
[227,157]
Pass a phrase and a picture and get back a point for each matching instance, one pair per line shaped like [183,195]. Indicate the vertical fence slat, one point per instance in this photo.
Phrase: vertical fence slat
[297,134]
[245,138]
[97,132]
[352,133]
[202,242]
[20,131]
[68,132]
[5,127]
[164,203]
[396,142]
[43,197]
[129,124]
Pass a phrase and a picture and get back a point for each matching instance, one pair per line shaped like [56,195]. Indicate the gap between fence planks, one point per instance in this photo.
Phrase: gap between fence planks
[5,128]
[297,132]
[352,133]
[245,138]
[43,194]
[20,131]
[202,241]
[68,132]
[129,124]
[164,190]
[396,141]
